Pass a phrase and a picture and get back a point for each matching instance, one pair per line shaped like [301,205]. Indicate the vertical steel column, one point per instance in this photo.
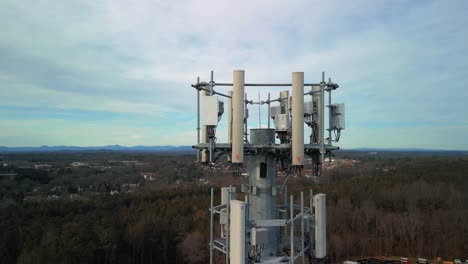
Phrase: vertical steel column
[291,210]
[285,195]
[245,119]
[229,114]
[228,221]
[302,228]
[312,114]
[198,118]
[312,226]
[247,217]
[322,116]
[211,228]
[211,152]
[329,116]
[285,208]
[269,110]
[259,112]
[211,94]
[212,84]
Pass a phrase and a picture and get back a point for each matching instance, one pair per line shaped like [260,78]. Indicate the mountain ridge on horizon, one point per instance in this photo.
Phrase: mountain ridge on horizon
[45,148]
[172,148]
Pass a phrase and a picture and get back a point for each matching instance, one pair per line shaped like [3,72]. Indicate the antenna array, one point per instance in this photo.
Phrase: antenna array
[260,229]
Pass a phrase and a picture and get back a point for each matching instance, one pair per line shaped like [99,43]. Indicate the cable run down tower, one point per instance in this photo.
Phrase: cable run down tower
[262,228]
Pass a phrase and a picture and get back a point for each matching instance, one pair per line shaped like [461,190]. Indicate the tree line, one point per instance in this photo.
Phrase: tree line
[417,209]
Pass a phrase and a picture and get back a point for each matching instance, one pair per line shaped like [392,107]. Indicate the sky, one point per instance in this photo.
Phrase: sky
[93,73]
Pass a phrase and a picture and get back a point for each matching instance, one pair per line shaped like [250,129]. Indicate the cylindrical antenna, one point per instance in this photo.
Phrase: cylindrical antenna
[238,117]
[297,119]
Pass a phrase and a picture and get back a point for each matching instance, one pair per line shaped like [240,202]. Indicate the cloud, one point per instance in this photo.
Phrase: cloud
[396,63]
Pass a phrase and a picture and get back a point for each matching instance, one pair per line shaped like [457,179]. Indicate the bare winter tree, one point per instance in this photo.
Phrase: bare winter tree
[193,249]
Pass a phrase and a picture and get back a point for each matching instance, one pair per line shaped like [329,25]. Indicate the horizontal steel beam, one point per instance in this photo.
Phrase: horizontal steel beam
[219,249]
[270,222]
[331,85]
[227,146]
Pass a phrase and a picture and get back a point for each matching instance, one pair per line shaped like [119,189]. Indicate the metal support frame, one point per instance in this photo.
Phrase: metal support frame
[297,238]
[296,212]
[273,84]
[202,86]
[272,148]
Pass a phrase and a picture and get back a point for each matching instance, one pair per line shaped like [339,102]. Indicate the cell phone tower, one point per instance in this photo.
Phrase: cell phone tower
[267,226]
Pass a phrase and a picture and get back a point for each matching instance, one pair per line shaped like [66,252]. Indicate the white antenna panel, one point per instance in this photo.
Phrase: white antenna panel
[258,236]
[274,111]
[338,117]
[209,111]
[282,122]
[308,108]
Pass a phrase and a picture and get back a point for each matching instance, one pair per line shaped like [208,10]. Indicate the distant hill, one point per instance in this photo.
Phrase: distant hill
[188,149]
[412,151]
[404,149]
[97,148]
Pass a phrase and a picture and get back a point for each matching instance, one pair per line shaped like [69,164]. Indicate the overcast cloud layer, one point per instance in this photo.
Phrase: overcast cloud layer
[119,72]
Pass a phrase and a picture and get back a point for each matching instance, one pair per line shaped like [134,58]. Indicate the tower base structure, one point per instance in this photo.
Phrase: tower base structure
[258,229]
[295,236]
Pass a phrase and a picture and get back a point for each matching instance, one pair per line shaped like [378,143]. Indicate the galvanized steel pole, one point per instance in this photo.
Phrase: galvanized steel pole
[291,210]
[269,110]
[322,117]
[198,119]
[211,228]
[302,227]
[228,221]
[312,225]
[329,115]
